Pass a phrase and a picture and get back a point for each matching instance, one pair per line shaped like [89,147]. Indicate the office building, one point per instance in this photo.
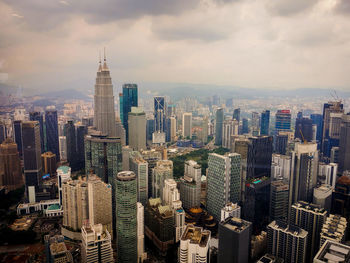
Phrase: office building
[187,125]
[51,125]
[281,143]
[304,175]
[283,121]
[245,127]
[56,250]
[140,167]
[141,254]
[171,195]
[129,99]
[179,223]
[190,185]
[237,114]
[103,155]
[344,145]
[38,116]
[205,130]
[10,166]
[171,129]
[137,128]
[234,240]
[17,129]
[63,148]
[69,132]
[230,128]
[31,153]
[323,196]
[81,131]
[194,245]
[259,156]
[327,173]
[223,182]
[159,113]
[120,131]
[63,175]
[287,242]
[149,129]
[281,167]
[327,142]
[279,195]
[159,224]
[334,155]
[126,219]
[219,122]
[230,210]
[265,123]
[96,245]
[332,252]
[49,164]
[2,132]
[163,170]
[333,229]
[304,129]
[255,124]
[104,113]
[311,218]
[151,157]
[317,120]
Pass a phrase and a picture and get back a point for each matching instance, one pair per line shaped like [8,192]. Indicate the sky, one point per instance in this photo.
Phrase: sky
[275,44]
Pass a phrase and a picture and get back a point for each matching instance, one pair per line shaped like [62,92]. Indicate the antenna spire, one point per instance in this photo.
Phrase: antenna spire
[104,53]
[100,57]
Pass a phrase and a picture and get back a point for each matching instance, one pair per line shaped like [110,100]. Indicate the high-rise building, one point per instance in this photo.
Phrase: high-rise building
[159,113]
[56,250]
[137,128]
[204,132]
[223,182]
[63,148]
[317,120]
[327,173]
[281,167]
[327,142]
[120,131]
[81,131]
[230,210]
[333,229]
[163,170]
[10,166]
[51,125]
[96,245]
[31,153]
[234,240]
[219,122]
[344,145]
[17,128]
[187,125]
[279,195]
[281,144]
[194,245]
[323,196]
[283,121]
[103,155]
[38,116]
[255,124]
[230,128]
[170,129]
[71,144]
[140,167]
[287,242]
[245,127]
[63,175]
[129,99]
[2,132]
[49,164]
[259,156]
[126,219]
[151,157]
[104,113]
[332,251]
[309,217]
[171,195]
[265,123]
[334,155]
[149,129]
[190,185]
[141,254]
[303,129]
[237,114]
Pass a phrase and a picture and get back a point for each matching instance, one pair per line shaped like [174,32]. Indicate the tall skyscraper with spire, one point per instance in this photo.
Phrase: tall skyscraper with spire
[104,114]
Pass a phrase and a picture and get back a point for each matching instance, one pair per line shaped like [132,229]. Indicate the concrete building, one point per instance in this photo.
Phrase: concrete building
[126,219]
[104,113]
[137,128]
[120,131]
[140,167]
[151,157]
[163,170]
[230,210]
[96,245]
[234,240]
[190,185]
[332,252]
[56,250]
[323,196]
[171,195]
[187,125]
[194,245]
[344,144]
[49,165]
[223,181]
[141,254]
[281,167]
[287,242]
[205,130]
[63,148]
[309,217]
[333,229]
[327,173]
[63,175]
[279,195]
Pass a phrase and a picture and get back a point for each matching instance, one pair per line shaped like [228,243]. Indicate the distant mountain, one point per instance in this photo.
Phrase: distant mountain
[65,94]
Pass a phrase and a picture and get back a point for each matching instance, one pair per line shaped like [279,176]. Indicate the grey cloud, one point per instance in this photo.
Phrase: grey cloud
[288,7]
[343,6]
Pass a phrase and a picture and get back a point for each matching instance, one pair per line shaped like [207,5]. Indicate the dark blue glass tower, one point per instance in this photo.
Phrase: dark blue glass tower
[317,119]
[265,122]
[283,121]
[69,132]
[129,99]
[17,127]
[81,132]
[149,129]
[219,126]
[245,128]
[237,114]
[37,116]
[51,125]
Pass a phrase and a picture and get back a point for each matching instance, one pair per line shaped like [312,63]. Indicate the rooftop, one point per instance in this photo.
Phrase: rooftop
[196,235]
[333,252]
[236,224]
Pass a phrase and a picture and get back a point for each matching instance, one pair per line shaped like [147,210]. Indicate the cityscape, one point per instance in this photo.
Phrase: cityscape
[163,170]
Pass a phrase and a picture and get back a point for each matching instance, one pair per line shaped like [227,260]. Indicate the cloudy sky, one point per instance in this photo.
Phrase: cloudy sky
[281,44]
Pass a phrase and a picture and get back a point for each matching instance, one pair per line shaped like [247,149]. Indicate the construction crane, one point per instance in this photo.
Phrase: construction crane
[302,136]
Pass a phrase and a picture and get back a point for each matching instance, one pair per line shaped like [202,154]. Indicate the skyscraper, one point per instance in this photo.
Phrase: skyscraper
[129,99]
[137,128]
[255,124]
[245,128]
[234,240]
[237,114]
[187,125]
[265,122]
[51,124]
[126,220]
[190,185]
[332,250]
[283,121]
[140,167]
[104,114]
[159,113]
[281,144]
[327,173]
[141,255]
[219,122]
[344,145]
[38,116]
[31,153]
[279,195]
[70,134]
[49,164]
[10,167]
[2,132]
[17,128]
[163,170]
[223,181]
[303,129]
[81,131]
[317,120]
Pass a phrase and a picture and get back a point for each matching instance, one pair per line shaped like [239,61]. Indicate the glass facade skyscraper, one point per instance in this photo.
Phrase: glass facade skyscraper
[317,120]
[37,116]
[283,121]
[17,128]
[265,122]
[51,125]
[129,99]
[219,122]
[159,114]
